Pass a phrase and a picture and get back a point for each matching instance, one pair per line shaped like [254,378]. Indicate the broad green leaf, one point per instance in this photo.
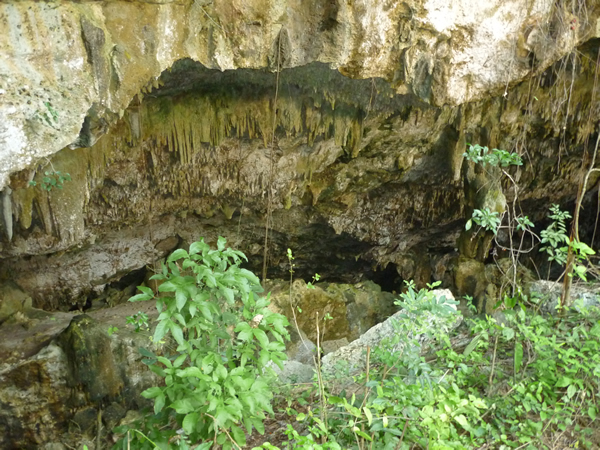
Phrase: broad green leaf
[180,359]
[222,415]
[261,336]
[159,403]
[242,326]
[152,392]
[177,333]
[245,335]
[165,361]
[187,263]
[181,298]
[228,294]
[140,298]
[167,286]
[564,382]
[146,353]
[518,356]
[146,290]
[183,406]
[178,254]
[205,310]
[221,372]
[462,420]
[238,435]
[592,411]
[179,317]
[362,434]
[369,415]
[208,364]
[198,247]
[190,372]
[210,280]
[189,423]
[157,370]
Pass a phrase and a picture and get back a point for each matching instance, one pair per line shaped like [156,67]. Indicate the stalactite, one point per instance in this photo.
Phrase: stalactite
[185,124]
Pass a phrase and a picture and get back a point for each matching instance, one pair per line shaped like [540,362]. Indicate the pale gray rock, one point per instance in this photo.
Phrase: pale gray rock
[300,348]
[294,372]
[331,346]
[355,352]
[582,296]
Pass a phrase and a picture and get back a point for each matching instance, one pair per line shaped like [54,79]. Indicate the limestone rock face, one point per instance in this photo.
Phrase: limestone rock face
[354,355]
[340,126]
[342,310]
[68,70]
[61,367]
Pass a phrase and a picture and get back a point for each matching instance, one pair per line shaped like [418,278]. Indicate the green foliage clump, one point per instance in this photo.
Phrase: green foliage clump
[515,383]
[52,179]
[218,379]
[556,242]
[522,383]
[554,239]
[495,157]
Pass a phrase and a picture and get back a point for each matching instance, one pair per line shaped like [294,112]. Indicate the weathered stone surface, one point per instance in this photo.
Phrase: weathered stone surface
[470,278]
[549,294]
[332,346]
[354,354]
[295,372]
[361,179]
[44,385]
[103,54]
[342,311]
[12,300]
[300,348]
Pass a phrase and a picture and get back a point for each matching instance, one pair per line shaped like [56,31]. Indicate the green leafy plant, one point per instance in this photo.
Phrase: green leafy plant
[486,219]
[219,377]
[556,243]
[49,116]
[112,330]
[52,179]
[522,382]
[139,321]
[495,157]
[554,237]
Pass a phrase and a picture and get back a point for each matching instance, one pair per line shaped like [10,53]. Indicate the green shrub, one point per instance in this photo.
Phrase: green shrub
[218,379]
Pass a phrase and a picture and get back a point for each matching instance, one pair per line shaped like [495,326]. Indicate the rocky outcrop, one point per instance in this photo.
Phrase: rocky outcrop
[165,142]
[338,311]
[68,71]
[354,355]
[62,372]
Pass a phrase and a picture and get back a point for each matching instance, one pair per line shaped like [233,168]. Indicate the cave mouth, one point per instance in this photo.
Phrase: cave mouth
[192,156]
[317,80]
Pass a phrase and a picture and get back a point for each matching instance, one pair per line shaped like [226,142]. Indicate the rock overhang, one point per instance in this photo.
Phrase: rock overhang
[81,58]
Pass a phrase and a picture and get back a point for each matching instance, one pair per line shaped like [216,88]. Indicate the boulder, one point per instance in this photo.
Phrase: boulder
[549,292]
[343,310]
[294,372]
[354,354]
[59,368]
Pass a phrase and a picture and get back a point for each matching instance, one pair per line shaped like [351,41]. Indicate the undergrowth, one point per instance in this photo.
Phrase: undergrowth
[521,380]
[528,382]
